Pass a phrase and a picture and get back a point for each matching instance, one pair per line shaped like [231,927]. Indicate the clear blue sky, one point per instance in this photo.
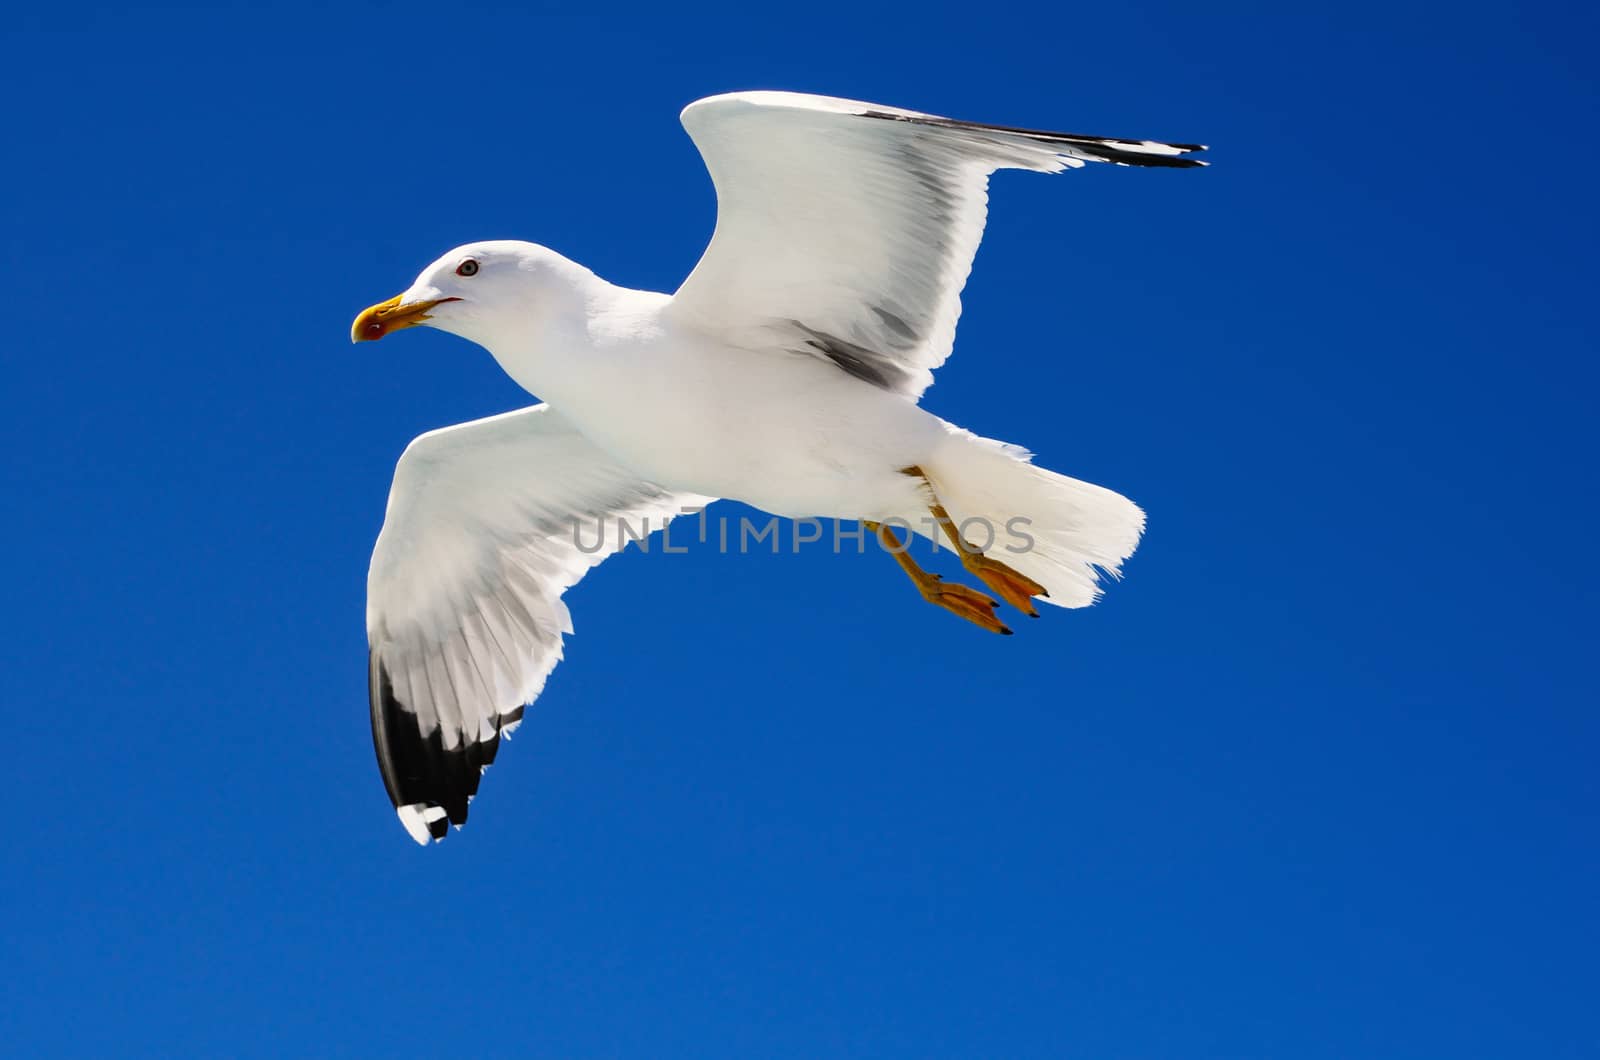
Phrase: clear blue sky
[1316,780]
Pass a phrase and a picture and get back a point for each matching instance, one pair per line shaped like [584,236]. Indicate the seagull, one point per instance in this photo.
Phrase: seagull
[785,372]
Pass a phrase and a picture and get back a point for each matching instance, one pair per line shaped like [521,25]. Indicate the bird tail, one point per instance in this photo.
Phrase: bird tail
[1059,531]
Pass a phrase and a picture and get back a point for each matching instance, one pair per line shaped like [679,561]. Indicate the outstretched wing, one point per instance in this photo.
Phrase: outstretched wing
[846,230]
[488,524]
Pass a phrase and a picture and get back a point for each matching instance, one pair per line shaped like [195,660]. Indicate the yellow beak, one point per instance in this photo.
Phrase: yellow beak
[377,321]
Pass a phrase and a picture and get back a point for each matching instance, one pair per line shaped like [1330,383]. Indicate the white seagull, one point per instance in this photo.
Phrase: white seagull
[785,373]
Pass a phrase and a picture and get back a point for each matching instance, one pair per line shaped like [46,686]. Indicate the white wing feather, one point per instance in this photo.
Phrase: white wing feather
[488,523]
[846,230]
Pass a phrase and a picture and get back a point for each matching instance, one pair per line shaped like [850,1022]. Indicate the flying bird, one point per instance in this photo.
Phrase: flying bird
[786,373]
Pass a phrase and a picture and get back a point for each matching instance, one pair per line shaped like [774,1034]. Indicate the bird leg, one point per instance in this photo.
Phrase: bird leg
[968,603]
[1012,586]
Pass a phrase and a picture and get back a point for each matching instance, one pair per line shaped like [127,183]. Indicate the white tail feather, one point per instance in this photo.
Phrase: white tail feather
[1056,530]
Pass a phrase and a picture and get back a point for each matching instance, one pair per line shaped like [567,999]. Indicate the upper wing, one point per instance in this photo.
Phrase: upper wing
[846,230]
[488,523]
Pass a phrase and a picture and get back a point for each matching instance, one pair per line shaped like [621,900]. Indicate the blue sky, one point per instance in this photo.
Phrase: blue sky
[1316,780]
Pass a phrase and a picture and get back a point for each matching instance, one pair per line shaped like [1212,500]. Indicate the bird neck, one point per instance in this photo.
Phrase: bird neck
[578,329]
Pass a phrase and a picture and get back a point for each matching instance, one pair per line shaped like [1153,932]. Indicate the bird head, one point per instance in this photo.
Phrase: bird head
[465,290]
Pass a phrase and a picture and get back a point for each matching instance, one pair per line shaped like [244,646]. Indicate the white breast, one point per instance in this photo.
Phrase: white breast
[784,432]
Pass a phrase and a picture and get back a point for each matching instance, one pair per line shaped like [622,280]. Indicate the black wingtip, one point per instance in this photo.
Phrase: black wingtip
[1109,151]
[1118,150]
[428,784]
[398,759]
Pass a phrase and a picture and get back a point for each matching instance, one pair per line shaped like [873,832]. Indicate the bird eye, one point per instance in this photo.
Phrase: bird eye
[467,268]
